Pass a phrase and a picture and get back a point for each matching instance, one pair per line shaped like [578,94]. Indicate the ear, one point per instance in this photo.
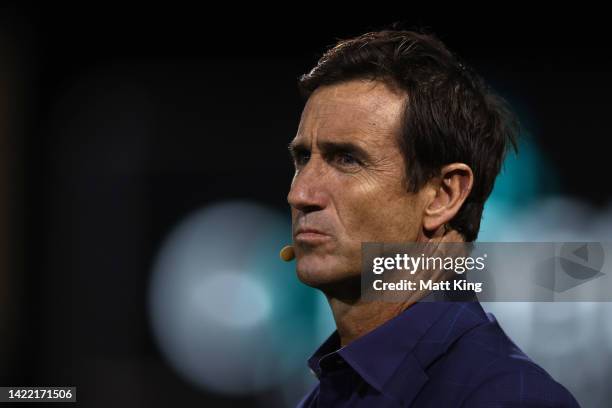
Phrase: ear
[447,194]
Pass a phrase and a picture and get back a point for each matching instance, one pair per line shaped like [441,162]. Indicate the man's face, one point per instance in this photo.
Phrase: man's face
[349,183]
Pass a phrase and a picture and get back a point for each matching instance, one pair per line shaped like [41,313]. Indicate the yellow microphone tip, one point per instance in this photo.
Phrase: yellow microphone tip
[287,253]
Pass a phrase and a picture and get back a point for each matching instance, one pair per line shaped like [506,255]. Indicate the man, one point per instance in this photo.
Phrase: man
[399,142]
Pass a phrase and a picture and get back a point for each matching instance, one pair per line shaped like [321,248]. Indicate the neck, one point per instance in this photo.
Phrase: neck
[357,318]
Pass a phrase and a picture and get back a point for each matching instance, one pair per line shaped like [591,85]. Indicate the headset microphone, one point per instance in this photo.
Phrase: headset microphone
[287,253]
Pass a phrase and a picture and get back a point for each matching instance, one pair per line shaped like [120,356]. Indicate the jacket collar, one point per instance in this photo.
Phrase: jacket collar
[393,358]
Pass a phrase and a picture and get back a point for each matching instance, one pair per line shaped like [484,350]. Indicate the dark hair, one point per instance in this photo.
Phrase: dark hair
[451,114]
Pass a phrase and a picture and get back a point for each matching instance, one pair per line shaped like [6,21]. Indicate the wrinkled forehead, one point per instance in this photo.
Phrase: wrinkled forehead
[353,108]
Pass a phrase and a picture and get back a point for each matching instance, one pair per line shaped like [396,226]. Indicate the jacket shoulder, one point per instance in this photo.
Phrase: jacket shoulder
[486,368]
[520,388]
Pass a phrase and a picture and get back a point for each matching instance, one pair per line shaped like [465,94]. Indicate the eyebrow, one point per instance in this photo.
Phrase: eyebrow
[330,148]
[295,147]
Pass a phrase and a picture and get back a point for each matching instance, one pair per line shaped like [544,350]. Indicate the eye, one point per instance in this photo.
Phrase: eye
[346,159]
[300,158]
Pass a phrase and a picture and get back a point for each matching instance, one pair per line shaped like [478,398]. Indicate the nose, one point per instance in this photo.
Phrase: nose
[308,191]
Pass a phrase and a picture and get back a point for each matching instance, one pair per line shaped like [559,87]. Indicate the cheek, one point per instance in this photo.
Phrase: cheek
[380,214]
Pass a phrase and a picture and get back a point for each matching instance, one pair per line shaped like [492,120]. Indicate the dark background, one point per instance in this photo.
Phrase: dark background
[118,122]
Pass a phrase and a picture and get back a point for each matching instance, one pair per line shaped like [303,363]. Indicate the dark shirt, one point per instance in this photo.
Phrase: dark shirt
[434,354]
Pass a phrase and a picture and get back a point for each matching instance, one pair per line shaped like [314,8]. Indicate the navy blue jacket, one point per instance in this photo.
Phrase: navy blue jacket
[434,354]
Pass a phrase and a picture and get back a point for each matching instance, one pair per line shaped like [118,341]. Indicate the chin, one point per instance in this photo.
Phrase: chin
[322,272]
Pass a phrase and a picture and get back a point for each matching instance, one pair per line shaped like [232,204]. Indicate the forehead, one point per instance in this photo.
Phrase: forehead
[358,110]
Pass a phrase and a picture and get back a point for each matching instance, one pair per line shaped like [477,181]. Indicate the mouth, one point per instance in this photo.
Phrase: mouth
[310,236]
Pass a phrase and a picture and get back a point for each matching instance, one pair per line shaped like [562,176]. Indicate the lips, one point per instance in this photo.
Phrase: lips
[305,230]
[310,235]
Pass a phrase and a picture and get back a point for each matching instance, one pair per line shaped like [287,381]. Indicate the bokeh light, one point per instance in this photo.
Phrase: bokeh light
[227,314]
